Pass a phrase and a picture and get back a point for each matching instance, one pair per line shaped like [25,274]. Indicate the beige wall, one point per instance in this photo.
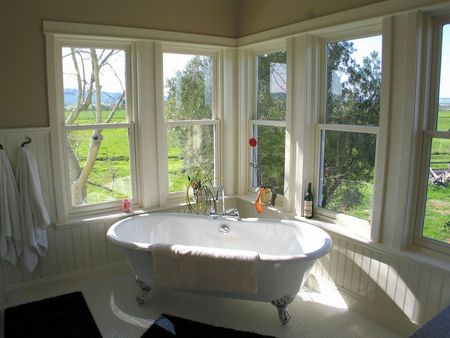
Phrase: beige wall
[23,85]
[260,15]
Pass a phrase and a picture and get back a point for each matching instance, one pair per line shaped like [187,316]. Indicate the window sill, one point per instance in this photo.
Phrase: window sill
[116,214]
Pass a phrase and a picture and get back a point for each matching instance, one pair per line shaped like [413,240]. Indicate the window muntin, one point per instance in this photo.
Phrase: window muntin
[97,133]
[189,118]
[347,138]
[269,121]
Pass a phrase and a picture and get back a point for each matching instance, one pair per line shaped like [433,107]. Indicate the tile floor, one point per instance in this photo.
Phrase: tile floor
[112,303]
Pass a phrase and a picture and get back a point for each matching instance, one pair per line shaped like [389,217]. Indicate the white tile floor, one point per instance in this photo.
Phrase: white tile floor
[112,303]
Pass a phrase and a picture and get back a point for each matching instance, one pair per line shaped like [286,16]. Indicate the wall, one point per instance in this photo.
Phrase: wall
[260,15]
[22,55]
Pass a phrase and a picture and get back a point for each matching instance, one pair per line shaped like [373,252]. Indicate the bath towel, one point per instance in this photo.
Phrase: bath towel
[201,268]
[11,245]
[35,216]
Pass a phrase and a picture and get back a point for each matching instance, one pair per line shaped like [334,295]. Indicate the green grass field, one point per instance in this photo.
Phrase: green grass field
[437,212]
[114,161]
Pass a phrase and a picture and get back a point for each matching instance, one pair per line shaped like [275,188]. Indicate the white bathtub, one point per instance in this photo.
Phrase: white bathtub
[287,249]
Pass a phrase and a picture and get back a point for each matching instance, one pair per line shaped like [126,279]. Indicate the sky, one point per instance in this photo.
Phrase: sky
[175,62]
[444,90]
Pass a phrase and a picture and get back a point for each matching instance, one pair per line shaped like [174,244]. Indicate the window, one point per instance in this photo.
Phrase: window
[433,229]
[97,133]
[268,125]
[347,135]
[189,118]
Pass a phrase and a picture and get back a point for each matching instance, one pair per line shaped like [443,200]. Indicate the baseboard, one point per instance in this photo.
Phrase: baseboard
[387,318]
[43,287]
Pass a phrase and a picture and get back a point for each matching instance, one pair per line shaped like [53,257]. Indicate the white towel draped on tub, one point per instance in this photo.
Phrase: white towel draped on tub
[11,246]
[35,217]
[200,268]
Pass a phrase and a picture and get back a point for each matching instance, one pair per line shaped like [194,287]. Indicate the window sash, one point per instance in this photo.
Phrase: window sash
[418,237]
[110,205]
[331,214]
[176,195]
[250,171]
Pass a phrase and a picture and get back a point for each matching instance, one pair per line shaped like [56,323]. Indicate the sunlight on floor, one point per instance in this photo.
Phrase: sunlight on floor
[136,321]
[320,292]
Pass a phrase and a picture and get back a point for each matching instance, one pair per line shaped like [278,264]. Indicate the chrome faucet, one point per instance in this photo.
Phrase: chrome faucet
[230,213]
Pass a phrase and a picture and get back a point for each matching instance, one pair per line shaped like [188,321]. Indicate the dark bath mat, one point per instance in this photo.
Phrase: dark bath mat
[63,316]
[438,326]
[168,326]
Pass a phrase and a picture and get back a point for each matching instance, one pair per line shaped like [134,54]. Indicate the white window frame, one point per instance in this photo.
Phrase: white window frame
[253,121]
[370,230]
[433,28]
[55,43]
[215,121]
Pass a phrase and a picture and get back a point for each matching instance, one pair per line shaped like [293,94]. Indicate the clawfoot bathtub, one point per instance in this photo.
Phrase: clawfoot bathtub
[285,251]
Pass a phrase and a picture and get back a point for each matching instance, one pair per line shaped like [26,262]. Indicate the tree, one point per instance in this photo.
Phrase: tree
[88,65]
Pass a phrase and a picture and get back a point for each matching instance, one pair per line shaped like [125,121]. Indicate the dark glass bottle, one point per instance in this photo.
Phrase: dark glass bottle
[308,203]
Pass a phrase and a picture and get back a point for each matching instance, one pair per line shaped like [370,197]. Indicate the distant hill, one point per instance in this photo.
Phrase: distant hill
[70,97]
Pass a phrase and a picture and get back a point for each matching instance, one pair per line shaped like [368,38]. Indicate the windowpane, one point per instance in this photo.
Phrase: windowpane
[347,172]
[354,81]
[99,165]
[94,85]
[269,157]
[443,120]
[187,86]
[437,211]
[190,152]
[271,96]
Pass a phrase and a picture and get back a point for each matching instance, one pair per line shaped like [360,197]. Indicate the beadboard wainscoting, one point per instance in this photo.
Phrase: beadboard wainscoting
[72,248]
[399,293]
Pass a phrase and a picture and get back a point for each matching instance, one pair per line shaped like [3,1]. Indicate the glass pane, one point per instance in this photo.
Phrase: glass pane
[99,165]
[94,85]
[187,87]
[347,172]
[271,100]
[354,81]
[190,153]
[437,211]
[268,156]
[443,121]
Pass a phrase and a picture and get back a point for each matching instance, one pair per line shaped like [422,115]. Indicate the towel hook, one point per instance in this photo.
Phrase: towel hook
[28,141]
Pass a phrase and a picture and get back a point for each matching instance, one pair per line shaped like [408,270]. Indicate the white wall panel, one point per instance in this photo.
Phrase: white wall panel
[389,284]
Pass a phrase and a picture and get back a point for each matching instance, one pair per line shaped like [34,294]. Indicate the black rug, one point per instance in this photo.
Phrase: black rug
[168,326]
[63,316]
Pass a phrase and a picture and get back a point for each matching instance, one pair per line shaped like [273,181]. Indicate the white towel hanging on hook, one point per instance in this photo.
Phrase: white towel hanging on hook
[11,245]
[34,213]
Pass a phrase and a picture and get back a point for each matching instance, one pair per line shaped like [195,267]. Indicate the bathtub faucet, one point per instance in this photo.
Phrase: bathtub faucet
[230,213]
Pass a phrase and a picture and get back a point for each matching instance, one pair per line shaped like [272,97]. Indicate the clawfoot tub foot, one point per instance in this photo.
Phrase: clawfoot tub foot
[144,290]
[281,305]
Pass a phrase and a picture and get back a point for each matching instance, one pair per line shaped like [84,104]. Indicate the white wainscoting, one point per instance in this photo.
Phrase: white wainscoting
[395,291]
[74,248]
